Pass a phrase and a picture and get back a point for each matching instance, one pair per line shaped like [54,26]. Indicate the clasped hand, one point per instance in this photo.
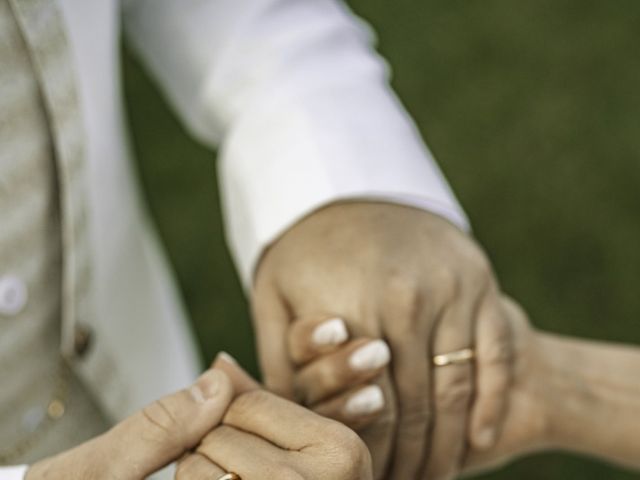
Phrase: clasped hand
[425,287]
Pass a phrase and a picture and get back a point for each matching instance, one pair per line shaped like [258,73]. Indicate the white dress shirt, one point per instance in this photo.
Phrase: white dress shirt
[299,104]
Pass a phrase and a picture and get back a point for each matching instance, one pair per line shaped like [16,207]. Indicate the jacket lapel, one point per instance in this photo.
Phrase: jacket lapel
[43,28]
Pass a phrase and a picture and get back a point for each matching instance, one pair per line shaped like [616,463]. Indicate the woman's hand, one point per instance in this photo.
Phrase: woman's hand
[148,440]
[568,394]
[263,436]
[526,425]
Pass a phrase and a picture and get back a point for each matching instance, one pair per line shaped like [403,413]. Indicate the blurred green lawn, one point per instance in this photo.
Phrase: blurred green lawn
[532,109]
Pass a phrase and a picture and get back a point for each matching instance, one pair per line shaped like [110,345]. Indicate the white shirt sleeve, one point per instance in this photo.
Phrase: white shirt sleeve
[13,473]
[299,103]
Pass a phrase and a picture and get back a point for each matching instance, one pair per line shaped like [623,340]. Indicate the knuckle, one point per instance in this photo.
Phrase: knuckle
[347,452]
[220,435]
[402,300]
[413,427]
[318,382]
[247,402]
[326,374]
[161,422]
[401,289]
[478,269]
[414,419]
[454,394]
[447,284]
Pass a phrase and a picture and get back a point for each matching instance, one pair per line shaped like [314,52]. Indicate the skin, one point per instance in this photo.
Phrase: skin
[571,395]
[224,422]
[265,436]
[567,394]
[415,280]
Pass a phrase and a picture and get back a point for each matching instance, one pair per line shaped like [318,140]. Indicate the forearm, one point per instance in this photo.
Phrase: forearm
[592,397]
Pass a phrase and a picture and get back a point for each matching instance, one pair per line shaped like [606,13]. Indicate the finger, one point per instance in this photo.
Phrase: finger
[271,323]
[281,422]
[246,454]
[355,363]
[409,318]
[165,429]
[196,466]
[379,435]
[314,336]
[356,408]
[494,353]
[240,379]
[411,374]
[452,391]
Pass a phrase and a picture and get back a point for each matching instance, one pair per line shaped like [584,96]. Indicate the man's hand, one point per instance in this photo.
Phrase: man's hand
[267,437]
[568,394]
[263,436]
[411,278]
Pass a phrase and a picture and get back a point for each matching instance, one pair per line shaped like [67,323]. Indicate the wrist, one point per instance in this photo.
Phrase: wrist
[571,393]
[591,397]
[553,385]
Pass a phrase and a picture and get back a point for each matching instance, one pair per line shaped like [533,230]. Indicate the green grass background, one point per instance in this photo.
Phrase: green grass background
[532,109]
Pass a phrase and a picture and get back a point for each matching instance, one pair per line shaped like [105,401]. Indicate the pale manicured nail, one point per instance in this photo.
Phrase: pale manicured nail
[331,332]
[486,437]
[367,401]
[227,358]
[207,386]
[373,355]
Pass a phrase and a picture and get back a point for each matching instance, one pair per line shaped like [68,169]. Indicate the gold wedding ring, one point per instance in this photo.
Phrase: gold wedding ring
[230,476]
[454,358]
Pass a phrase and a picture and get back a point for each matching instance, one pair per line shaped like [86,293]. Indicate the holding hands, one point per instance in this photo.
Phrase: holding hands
[438,372]
[411,278]
[566,394]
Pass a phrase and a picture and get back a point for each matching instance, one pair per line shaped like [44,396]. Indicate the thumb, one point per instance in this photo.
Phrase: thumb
[242,382]
[162,431]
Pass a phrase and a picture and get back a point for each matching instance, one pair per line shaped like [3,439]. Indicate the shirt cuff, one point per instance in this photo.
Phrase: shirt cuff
[287,158]
[13,473]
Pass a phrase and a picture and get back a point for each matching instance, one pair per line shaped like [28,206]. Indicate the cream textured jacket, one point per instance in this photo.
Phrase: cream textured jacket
[298,103]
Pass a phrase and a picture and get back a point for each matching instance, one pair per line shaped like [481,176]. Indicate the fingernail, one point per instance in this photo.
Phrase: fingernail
[368,400]
[207,386]
[331,332]
[227,358]
[373,355]
[486,437]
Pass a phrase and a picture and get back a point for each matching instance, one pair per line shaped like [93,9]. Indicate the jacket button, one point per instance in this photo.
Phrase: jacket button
[13,295]
[82,340]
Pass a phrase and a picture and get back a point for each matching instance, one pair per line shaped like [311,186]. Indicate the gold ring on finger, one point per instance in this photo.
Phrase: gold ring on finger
[230,476]
[454,358]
